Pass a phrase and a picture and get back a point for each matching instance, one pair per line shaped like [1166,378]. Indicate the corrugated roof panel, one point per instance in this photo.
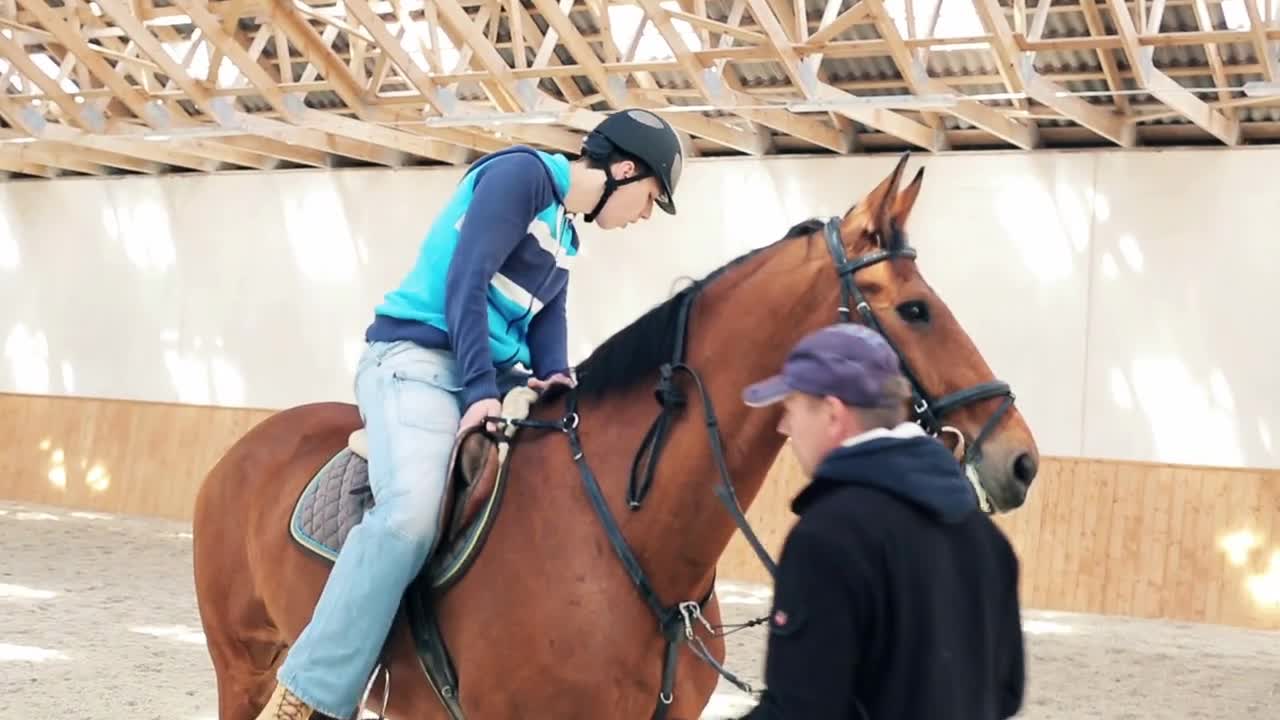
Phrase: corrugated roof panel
[761,73]
[672,79]
[1179,18]
[1261,114]
[951,62]
[869,68]
[1180,56]
[1062,24]
[1237,53]
[1067,61]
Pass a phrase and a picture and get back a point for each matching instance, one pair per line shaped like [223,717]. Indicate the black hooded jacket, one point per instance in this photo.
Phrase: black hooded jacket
[896,597]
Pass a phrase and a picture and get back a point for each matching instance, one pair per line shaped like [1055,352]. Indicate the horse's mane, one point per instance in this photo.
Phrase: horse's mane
[649,341]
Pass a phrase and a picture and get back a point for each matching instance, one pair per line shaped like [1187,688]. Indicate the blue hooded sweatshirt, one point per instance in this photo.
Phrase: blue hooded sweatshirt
[490,280]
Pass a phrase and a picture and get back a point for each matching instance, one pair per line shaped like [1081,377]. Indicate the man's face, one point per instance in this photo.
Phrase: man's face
[815,425]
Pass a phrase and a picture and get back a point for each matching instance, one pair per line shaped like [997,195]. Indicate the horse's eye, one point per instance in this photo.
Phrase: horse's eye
[915,311]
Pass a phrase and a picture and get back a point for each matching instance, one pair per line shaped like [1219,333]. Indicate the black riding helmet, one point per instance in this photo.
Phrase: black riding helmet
[645,136]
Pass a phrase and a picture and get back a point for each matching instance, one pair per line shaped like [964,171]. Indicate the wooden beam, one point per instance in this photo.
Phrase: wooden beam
[728,98]
[837,139]
[82,120]
[1105,123]
[132,98]
[286,15]
[553,137]
[65,158]
[706,23]
[1093,20]
[1262,48]
[285,106]
[288,150]
[781,43]
[1009,59]
[566,85]
[220,109]
[784,9]
[503,92]
[314,125]
[1038,22]
[1164,88]
[11,161]
[396,54]
[883,119]
[845,20]
[918,80]
[1201,9]
[750,142]
[83,116]
[1018,71]
[581,51]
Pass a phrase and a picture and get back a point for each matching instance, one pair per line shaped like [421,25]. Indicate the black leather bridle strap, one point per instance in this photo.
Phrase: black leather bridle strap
[672,401]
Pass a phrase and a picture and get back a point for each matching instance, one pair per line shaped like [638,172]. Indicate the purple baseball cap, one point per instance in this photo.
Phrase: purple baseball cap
[846,360]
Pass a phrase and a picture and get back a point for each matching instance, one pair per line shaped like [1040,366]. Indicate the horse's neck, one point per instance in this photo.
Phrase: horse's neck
[737,337]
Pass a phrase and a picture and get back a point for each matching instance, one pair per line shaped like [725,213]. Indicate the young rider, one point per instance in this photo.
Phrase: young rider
[480,312]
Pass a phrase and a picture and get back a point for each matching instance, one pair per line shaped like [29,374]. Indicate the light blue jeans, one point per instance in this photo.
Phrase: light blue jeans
[410,400]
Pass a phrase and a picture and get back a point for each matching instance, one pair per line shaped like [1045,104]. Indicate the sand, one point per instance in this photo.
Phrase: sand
[98,622]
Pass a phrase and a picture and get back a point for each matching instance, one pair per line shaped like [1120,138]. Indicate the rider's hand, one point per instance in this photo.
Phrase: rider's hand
[477,413]
[542,386]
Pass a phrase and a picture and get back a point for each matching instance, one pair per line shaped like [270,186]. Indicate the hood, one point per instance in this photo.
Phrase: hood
[557,166]
[903,462]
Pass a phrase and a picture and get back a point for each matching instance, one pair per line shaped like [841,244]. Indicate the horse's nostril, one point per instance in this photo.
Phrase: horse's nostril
[1024,468]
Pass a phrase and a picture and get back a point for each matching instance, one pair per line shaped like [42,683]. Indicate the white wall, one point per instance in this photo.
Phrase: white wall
[1126,296]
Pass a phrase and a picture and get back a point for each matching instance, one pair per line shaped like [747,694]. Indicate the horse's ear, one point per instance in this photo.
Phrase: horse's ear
[878,205]
[906,200]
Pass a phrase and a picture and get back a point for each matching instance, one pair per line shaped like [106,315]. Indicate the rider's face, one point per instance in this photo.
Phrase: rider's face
[631,202]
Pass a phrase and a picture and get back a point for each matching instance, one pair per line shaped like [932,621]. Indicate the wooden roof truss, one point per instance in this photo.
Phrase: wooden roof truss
[159,86]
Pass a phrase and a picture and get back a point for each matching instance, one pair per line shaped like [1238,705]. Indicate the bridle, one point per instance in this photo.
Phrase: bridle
[927,412]
[677,622]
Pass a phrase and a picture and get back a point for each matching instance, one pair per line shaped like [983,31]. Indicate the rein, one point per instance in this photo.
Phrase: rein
[676,622]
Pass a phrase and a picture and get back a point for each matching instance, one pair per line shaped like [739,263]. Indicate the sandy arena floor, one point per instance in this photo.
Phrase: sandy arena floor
[98,622]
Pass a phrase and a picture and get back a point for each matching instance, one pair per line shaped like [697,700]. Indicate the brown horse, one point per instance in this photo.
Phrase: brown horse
[547,621]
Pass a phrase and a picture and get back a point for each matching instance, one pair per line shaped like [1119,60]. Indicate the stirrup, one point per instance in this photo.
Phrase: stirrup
[386,691]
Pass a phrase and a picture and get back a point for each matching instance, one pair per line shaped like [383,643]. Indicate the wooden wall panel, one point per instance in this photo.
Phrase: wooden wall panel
[112,456]
[1179,542]
[1118,538]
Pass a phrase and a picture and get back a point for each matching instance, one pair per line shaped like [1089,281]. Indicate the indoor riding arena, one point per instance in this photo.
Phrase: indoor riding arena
[205,201]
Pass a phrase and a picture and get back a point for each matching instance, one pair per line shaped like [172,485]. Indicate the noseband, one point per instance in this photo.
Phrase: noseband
[677,622]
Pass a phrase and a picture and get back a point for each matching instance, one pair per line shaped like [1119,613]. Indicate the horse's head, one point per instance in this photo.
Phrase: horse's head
[956,395]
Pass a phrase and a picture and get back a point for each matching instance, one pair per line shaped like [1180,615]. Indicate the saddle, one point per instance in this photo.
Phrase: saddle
[339,495]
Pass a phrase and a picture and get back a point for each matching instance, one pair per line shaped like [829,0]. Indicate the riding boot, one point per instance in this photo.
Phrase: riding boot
[284,705]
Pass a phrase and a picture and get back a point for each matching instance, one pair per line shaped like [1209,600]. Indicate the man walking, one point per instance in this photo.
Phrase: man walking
[896,597]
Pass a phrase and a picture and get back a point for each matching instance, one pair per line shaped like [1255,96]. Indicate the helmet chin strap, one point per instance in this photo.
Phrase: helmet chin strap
[610,185]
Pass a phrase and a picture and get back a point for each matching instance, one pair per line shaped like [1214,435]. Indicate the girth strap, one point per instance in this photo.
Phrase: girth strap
[433,655]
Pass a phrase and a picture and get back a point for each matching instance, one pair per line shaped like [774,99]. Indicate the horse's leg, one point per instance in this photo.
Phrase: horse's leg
[246,677]
[243,643]
[697,680]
